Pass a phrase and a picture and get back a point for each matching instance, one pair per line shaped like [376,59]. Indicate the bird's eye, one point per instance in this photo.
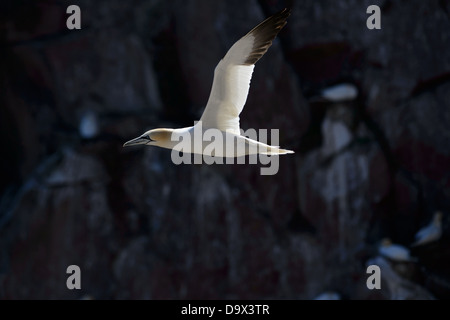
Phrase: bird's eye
[147,137]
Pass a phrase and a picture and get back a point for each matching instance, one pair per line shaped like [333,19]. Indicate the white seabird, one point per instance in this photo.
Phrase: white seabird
[431,232]
[227,99]
[340,92]
[394,252]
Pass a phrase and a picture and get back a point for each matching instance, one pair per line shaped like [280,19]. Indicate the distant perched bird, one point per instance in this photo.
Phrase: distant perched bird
[88,126]
[227,98]
[394,252]
[431,232]
[337,93]
[328,295]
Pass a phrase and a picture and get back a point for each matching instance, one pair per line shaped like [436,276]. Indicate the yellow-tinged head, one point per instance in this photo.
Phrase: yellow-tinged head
[386,242]
[155,137]
[438,217]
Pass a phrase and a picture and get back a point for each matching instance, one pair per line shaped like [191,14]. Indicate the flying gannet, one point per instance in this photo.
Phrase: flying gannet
[431,232]
[227,99]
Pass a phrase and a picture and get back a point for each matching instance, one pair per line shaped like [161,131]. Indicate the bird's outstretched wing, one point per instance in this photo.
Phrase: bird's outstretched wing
[233,74]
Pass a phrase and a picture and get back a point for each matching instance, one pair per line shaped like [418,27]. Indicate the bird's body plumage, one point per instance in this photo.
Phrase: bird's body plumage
[235,146]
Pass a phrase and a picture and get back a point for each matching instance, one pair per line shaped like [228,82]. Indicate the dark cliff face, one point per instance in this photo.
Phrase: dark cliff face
[141,227]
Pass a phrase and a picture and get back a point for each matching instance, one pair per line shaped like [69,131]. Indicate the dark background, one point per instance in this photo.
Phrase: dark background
[140,227]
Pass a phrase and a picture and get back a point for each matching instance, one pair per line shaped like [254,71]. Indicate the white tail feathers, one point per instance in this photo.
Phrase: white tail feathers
[276,151]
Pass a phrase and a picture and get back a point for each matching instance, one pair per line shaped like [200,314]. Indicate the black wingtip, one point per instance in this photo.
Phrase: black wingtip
[282,15]
[285,11]
[265,33]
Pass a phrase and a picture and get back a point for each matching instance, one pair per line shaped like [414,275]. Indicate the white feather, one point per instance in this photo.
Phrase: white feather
[341,92]
[230,88]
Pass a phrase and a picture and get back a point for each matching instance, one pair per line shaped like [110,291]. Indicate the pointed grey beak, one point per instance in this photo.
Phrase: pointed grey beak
[141,140]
